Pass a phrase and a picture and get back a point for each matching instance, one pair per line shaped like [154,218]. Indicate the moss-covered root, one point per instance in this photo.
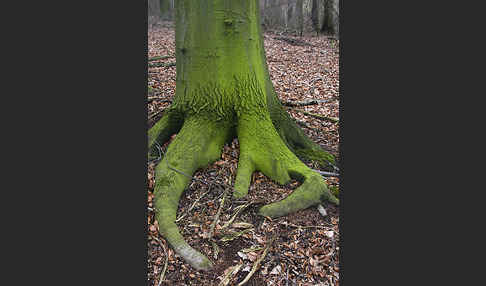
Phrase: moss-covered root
[169,124]
[199,143]
[243,176]
[313,191]
[304,147]
[262,149]
[315,153]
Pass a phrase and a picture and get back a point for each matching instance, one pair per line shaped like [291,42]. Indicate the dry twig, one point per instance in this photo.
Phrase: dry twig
[318,116]
[216,218]
[257,262]
[304,102]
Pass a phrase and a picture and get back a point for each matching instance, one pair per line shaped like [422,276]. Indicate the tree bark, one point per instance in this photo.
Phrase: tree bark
[153,11]
[223,91]
[331,17]
[167,9]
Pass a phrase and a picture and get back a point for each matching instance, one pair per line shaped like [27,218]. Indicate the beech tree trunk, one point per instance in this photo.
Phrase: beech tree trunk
[167,9]
[223,91]
[153,11]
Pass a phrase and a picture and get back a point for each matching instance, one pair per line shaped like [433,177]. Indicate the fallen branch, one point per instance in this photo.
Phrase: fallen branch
[240,209]
[318,116]
[216,250]
[162,275]
[233,271]
[303,124]
[294,42]
[157,65]
[257,262]
[152,98]
[193,205]
[235,234]
[159,58]
[216,218]
[304,102]
[302,226]
[155,114]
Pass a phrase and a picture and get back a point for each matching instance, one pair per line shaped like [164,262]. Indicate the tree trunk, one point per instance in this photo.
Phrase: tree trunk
[153,11]
[224,91]
[300,17]
[331,17]
[167,9]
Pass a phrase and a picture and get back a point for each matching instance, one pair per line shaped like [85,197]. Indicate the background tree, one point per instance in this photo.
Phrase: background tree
[153,11]
[300,16]
[223,91]
[167,9]
[325,16]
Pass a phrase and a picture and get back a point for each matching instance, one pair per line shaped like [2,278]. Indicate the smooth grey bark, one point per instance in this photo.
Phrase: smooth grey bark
[301,16]
[167,10]
[154,14]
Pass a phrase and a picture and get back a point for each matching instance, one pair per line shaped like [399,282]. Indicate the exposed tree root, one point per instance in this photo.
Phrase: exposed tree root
[224,90]
[316,154]
[199,142]
[170,123]
[291,134]
[261,149]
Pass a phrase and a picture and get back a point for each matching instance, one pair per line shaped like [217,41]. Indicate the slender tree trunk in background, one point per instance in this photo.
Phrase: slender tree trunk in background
[167,9]
[331,17]
[224,91]
[300,17]
[153,11]
[325,16]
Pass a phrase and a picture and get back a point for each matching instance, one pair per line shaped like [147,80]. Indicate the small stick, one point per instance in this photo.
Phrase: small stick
[240,209]
[326,174]
[162,275]
[194,204]
[303,226]
[157,65]
[211,230]
[257,262]
[303,124]
[159,58]
[155,114]
[318,116]
[233,270]
[152,98]
[304,103]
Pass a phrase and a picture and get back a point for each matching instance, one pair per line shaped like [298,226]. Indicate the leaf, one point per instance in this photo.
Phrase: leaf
[276,270]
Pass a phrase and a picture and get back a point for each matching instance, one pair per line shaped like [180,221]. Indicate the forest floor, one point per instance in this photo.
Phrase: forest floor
[303,248]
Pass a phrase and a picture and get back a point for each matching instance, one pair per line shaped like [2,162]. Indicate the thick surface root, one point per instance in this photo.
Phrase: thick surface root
[243,177]
[199,143]
[262,149]
[170,123]
[291,134]
[313,191]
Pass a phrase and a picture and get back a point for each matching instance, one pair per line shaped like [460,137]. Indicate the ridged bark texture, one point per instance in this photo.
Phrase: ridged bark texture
[223,89]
